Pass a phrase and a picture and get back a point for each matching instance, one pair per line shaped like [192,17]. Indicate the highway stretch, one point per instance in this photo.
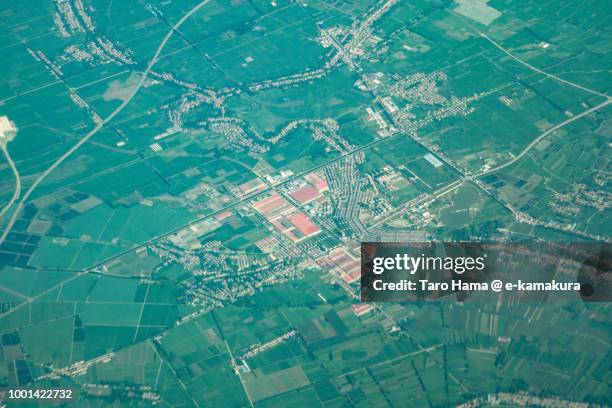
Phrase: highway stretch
[134,91]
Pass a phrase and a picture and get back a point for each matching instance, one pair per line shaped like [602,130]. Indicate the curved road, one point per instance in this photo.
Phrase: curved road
[542,136]
[100,125]
[17,192]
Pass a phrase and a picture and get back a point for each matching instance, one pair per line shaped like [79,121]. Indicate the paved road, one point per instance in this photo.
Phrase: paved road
[17,191]
[531,67]
[100,125]
[542,136]
[442,191]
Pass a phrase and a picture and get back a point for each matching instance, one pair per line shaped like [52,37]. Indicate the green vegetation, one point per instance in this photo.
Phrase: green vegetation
[183,199]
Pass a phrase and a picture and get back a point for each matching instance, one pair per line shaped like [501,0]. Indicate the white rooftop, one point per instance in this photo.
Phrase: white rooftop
[7,128]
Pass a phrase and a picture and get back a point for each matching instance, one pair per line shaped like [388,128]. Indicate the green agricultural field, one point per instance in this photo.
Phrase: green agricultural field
[184,187]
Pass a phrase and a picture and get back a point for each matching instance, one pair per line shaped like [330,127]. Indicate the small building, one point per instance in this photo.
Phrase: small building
[8,130]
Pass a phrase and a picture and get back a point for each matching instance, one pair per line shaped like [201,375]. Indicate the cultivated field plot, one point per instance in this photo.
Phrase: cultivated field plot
[184,186]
